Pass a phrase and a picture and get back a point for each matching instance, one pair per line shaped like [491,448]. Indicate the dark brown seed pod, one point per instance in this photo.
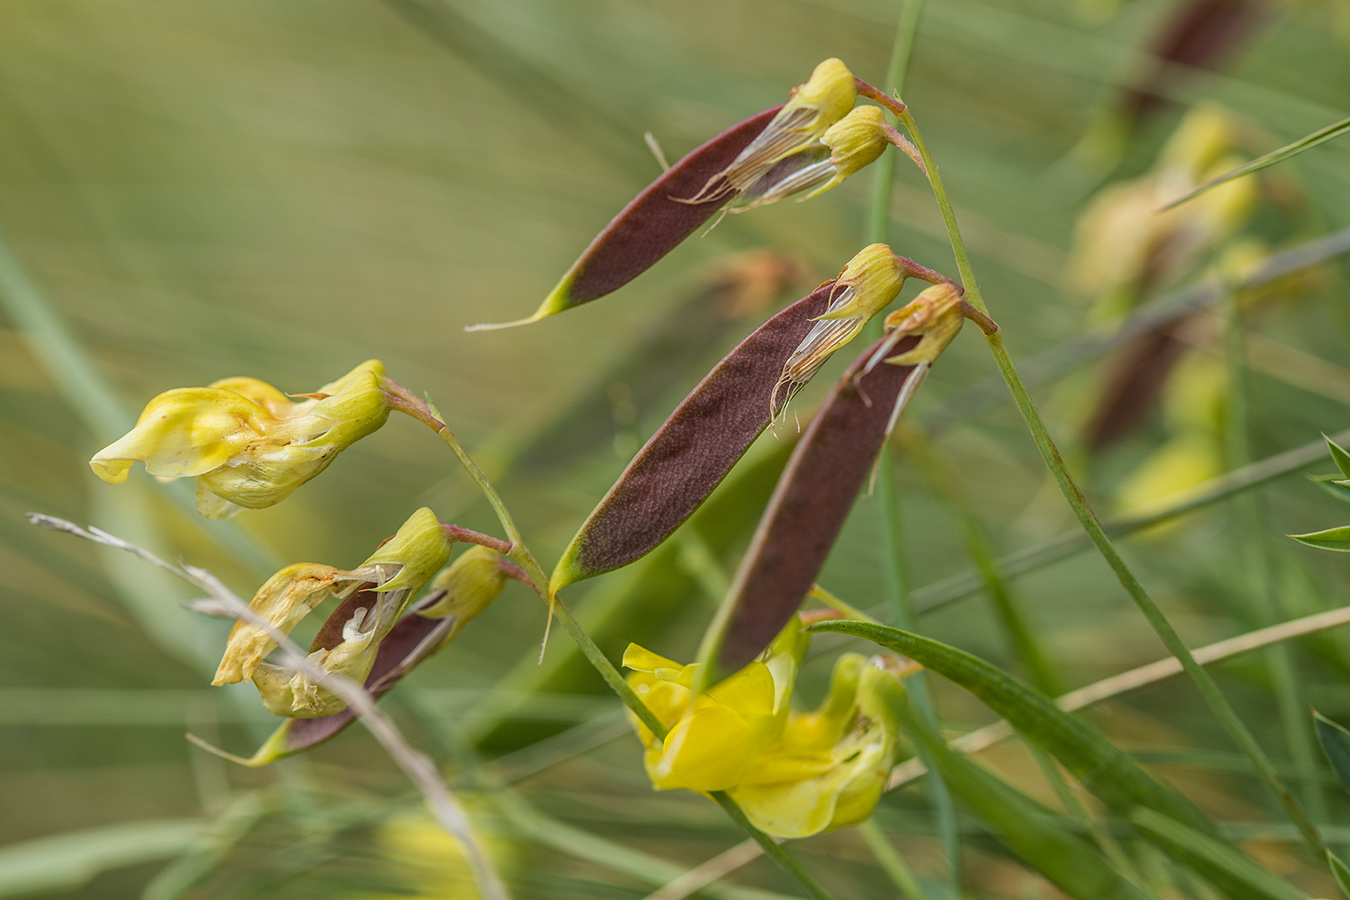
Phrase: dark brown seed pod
[817,489]
[652,225]
[693,451]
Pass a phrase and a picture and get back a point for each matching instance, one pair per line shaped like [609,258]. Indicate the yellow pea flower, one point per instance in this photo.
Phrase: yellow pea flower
[828,768]
[714,738]
[389,578]
[247,443]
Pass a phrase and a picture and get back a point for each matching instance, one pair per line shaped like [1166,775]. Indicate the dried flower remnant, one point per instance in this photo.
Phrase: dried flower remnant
[868,284]
[849,145]
[816,105]
[382,585]
[714,738]
[248,445]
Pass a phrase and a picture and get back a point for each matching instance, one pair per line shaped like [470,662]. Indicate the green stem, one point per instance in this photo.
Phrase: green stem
[1110,847]
[1213,697]
[890,861]
[771,847]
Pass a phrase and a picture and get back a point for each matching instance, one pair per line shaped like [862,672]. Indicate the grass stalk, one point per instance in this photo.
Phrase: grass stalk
[1256,554]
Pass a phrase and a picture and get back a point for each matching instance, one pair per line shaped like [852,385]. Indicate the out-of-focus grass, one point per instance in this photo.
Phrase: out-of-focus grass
[283,190]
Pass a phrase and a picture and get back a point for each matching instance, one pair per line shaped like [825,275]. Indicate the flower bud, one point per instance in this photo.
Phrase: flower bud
[248,445]
[465,589]
[855,141]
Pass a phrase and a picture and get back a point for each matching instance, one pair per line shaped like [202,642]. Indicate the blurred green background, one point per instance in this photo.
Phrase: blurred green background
[195,190]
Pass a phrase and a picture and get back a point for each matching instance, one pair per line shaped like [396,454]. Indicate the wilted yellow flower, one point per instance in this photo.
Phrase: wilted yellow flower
[248,445]
[389,578]
[828,768]
[714,738]
[814,107]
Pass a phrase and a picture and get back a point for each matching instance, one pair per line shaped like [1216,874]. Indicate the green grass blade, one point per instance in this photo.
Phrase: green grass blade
[1322,135]
[66,861]
[1335,742]
[1232,873]
[1340,455]
[1104,769]
[1340,872]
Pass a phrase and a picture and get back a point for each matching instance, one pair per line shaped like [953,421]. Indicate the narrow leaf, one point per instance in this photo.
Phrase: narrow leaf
[1335,741]
[692,452]
[1336,487]
[652,225]
[823,477]
[1320,136]
[1340,456]
[1228,870]
[1337,539]
[1104,769]
[1340,872]
[1027,828]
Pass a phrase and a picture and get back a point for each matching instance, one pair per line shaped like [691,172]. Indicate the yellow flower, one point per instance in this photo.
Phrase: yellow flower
[828,768]
[248,444]
[388,579]
[714,738]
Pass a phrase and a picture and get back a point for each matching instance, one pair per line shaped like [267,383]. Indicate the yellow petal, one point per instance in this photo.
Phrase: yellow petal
[184,432]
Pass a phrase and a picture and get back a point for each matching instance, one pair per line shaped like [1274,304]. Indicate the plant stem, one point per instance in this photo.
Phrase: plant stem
[1213,697]
[1056,548]
[771,847]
